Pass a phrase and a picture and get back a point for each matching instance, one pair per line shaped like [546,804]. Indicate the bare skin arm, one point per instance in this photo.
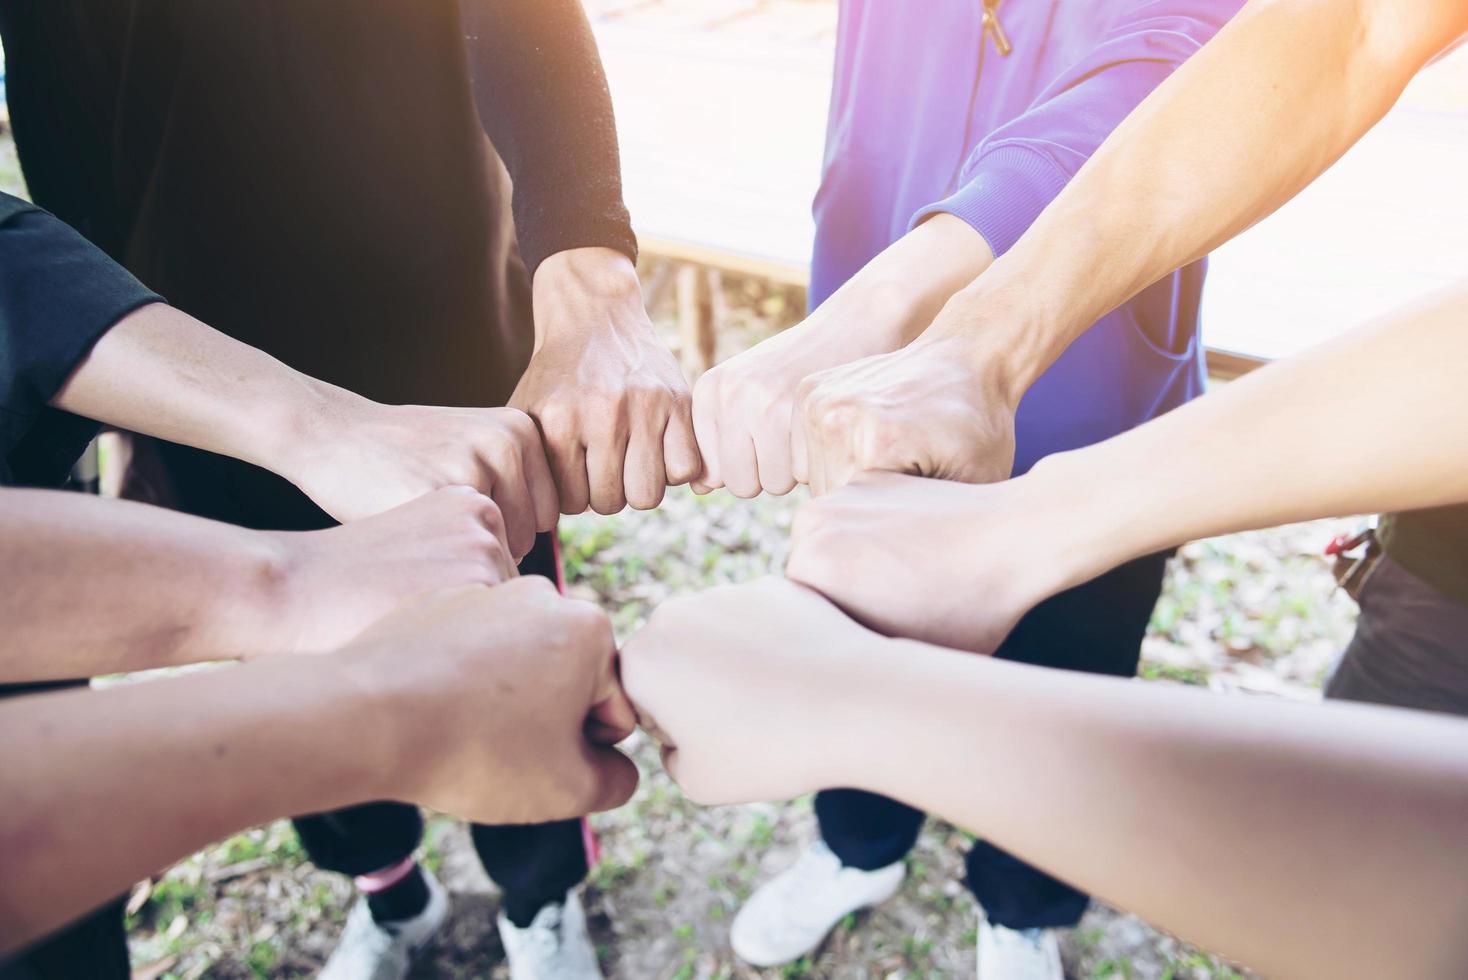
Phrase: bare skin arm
[1277,96]
[160,372]
[1372,421]
[609,397]
[1285,88]
[1289,837]
[92,586]
[498,705]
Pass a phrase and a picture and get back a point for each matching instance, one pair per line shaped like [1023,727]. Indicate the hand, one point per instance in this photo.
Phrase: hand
[504,704]
[362,458]
[332,584]
[609,398]
[923,410]
[947,563]
[743,408]
[745,685]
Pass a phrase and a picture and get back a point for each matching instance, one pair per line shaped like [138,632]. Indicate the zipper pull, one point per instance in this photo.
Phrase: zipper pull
[994,29]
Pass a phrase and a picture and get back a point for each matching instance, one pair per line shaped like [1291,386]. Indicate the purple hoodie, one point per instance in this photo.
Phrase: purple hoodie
[928,115]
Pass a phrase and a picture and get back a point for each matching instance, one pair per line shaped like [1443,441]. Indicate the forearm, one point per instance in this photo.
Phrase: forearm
[93,586]
[1281,92]
[1316,829]
[896,295]
[162,373]
[248,745]
[1368,422]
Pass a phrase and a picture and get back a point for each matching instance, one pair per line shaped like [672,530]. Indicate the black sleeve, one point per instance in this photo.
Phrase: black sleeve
[58,294]
[543,100]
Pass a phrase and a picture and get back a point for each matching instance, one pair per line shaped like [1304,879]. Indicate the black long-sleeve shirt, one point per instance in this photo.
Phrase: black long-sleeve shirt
[314,178]
[58,294]
[542,98]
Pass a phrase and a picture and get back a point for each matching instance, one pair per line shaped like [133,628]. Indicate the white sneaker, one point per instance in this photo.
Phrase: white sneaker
[555,946]
[790,915]
[1018,954]
[369,950]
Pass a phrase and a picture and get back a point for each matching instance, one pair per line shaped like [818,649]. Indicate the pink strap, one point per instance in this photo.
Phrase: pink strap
[381,881]
[590,843]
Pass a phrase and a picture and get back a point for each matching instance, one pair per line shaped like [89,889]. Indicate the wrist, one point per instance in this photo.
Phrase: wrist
[879,704]
[312,422]
[253,610]
[363,728]
[400,719]
[870,314]
[895,297]
[592,272]
[864,702]
[1003,342]
[1087,509]
[581,290]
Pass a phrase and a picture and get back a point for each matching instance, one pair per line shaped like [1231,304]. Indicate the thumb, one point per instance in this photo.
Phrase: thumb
[612,716]
[614,779]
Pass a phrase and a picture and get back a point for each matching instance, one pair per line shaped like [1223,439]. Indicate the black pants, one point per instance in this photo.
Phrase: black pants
[1098,628]
[1410,648]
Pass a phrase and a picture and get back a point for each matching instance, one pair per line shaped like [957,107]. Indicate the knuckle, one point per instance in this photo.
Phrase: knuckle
[646,395]
[558,421]
[883,435]
[519,423]
[457,492]
[839,414]
[710,380]
[680,399]
[503,451]
[466,474]
[537,587]
[489,512]
[591,625]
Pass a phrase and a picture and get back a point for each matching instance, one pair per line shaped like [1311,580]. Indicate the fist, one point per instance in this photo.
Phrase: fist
[611,402]
[947,563]
[373,457]
[742,411]
[505,703]
[737,684]
[744,408]
[919,410]
[332,584]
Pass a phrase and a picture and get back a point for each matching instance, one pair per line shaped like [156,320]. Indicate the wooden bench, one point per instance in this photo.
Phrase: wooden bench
[721,108]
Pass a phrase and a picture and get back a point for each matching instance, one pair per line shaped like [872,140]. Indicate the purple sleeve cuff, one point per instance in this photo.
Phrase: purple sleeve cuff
[1003,193]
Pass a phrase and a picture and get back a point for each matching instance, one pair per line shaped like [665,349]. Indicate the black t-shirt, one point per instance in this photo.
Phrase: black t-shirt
[314,178]
[58,294]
